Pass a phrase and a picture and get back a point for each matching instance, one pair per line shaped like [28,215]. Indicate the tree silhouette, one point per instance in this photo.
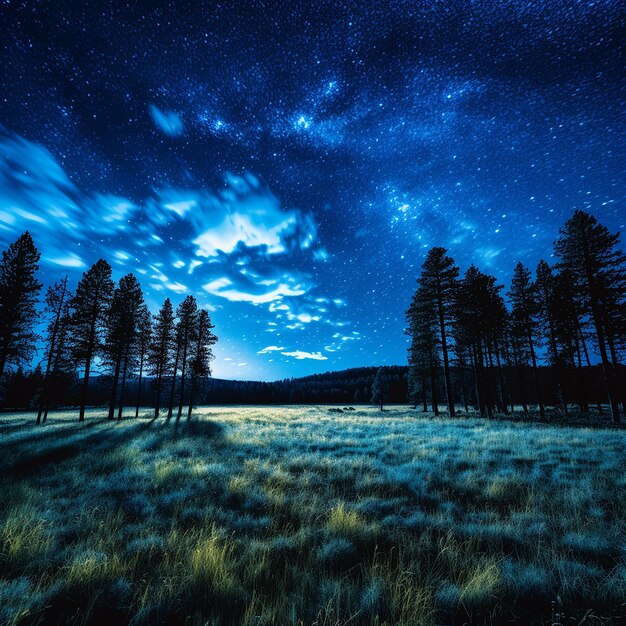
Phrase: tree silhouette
[19,292]
[479,318]
[187,314]
[597,266]
[57,307]
[160,349]
[90,305]
[545,285]
[438,281]
[423,353]
[380,388]
[524,315]
[122,327]
[200,362]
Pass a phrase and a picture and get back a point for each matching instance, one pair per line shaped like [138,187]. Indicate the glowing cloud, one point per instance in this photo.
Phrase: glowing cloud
[225,288]
[248,215]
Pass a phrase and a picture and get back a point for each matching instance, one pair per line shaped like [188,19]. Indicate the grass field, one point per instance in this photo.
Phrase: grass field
[305,515]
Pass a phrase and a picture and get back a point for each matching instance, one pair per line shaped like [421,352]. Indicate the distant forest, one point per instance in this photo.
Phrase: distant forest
[556,342]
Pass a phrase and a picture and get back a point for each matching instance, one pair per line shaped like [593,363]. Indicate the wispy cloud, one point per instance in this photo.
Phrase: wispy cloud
[239,243]
[268,349]
[168,122]
[301,354]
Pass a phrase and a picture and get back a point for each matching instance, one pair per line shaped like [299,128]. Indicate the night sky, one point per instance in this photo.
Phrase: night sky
[290,163]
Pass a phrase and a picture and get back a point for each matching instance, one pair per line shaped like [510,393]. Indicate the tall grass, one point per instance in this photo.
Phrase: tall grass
[301,516]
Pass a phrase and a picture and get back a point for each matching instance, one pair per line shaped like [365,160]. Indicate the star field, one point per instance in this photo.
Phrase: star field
[291,163]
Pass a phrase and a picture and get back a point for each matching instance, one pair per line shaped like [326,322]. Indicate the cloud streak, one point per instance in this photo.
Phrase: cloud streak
[301,355]
[269,349]
[168,122]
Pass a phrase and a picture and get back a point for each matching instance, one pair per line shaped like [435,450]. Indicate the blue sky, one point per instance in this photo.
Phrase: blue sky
[290,165]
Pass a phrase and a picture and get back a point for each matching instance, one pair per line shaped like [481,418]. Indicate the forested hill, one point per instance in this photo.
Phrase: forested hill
[343,387]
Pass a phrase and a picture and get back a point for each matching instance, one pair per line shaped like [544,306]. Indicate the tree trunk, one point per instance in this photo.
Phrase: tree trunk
[594,387]
[85,387]
[495,381]
[480,388]
[477,399]
[446,365]
[91,344]
[182,376]
[192,393]
[607,369]
[483,382]
[617,373]
[505,407]
[114,385]
[463,388]
[51,348]
[434,396]
[583,402]
[533,358]
[123,386]
[557,367]
[170,409]
[139,383]
[159,388]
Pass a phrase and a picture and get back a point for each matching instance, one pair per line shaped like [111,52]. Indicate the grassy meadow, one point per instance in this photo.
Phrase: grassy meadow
[312,516]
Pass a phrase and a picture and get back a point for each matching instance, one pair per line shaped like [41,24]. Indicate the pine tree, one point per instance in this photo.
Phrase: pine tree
[122,328]
[479,320]
[203,353]
[57,308]
[187,314]
[590,253]
[438,281]
[423,353]
[19,292]
[160,350]
[568,332]
[380,388]
[89,307]
[546,296]
[524,313]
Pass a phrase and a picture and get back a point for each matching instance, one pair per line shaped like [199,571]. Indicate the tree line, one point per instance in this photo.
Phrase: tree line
[101,323]
[470,345]
[489,349]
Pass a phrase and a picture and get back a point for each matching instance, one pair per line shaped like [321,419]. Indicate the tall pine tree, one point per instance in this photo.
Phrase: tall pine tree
[160,349]
[202,354]
[380,388]
[524,314]
[122,327]
[545,284]
[19,293]
[438,280]
[187,314]
[90,305]
[590,253]
[57,308]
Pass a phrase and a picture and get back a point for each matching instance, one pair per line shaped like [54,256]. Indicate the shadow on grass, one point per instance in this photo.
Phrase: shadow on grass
[29,455]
